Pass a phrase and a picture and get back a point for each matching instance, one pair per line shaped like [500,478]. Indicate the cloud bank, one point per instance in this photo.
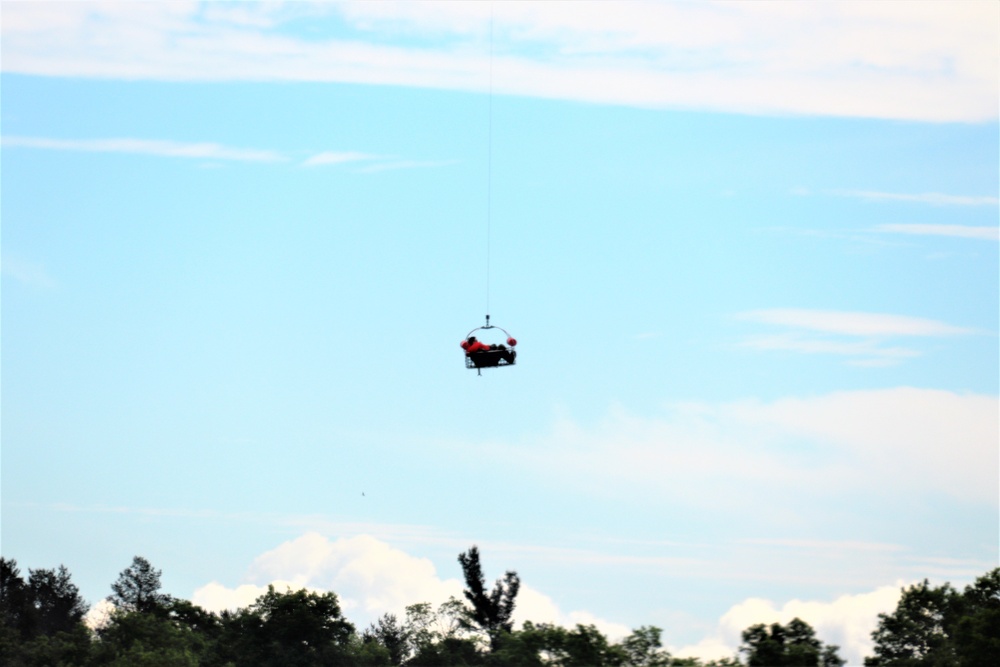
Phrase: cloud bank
[901,60]
[847,621]
[372,578]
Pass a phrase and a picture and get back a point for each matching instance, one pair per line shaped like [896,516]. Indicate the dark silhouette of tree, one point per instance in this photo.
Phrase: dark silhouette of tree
[976,634]
[586,645]
[490,611]
[643,648]
[451,651]
[138,588]
[916,632]
[55,600]
[41,618]
[148,639]
[15,606]
[288,630]
[388,632]
[792,645]
[934,626]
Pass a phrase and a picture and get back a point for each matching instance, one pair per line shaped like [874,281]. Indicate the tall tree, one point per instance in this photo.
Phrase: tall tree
[388,632]
[41,618]
[976,632]
[938,625]
[491,611]
[56,601]
[916,633]
[15,608]
[644,648]
[138,588]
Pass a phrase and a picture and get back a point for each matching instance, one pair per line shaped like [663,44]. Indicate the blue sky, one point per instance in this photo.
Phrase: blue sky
[749,251]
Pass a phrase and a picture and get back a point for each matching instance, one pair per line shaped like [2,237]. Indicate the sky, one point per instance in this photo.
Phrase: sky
[749,252]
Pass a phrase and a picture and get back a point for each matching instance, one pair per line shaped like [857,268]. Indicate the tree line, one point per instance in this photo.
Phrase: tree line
[43,624]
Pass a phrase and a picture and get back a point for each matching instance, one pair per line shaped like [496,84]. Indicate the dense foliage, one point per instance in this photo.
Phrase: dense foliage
[938,626]
[42,624]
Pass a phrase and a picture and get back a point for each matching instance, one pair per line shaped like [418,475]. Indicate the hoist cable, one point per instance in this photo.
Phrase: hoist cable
[489,174]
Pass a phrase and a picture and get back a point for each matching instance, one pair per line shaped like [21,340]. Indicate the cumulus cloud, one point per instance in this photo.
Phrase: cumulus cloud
[846,621]
[913,60]
[98,615]
[371,578]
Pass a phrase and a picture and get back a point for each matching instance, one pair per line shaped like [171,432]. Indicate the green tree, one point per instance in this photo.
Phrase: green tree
[138,588]
[390,634]
[936,626]
[792,645]
[643,648]
[976,632]
[15,605]
[41,618]
[916,633]
[490,611]
[450,651]
[586,646]
[146,639]
[290,629]
[55,601]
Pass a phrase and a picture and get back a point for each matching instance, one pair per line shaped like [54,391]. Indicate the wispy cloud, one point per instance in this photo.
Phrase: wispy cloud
[32,274]
[853,323]
[864,338]
[160,148]
[368,163]
[912,60]
[871,442]
[406,164]
[959,231]
[935,198]
[332,157]
[823,545]
[214,152]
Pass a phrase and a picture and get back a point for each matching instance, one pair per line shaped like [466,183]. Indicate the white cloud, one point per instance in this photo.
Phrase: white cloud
[98,615]
[370,578]
[406,164]
[26,272]
[863,353]
[960,231]
[853,323]
[860,336]
[887,441]
[913,60]
[204,150]
[847,621]
[213,151]
[331,157]
[935,198]
[897,433]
